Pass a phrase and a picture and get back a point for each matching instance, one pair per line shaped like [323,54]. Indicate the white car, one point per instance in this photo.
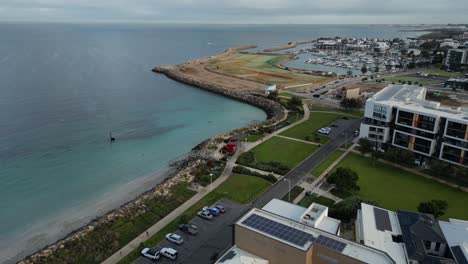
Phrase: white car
[325,130]
[174,238]
[169,253]
[205,214]
[151,253]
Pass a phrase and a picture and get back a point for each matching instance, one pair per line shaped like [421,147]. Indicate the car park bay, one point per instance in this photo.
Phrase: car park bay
[207,230]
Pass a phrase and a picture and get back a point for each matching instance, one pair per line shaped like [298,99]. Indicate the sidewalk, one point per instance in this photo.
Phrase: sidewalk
[135,243]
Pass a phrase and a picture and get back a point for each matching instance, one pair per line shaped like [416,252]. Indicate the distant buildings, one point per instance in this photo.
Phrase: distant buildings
[457,83]
[399,116]
[407,237]
[456,58]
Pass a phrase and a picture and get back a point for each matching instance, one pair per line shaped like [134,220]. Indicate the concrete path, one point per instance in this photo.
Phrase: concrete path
[119,255]
[262,172]
[300,140]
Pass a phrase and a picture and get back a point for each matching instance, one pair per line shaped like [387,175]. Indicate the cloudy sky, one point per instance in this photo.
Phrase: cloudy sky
[238,11]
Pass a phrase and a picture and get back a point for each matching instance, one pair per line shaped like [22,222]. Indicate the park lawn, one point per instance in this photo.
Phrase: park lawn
[308,200]
[239,188]
[422,80]
[326,163]
[253,138]
[394,189]
[444,73]
[316,121]
[285,151]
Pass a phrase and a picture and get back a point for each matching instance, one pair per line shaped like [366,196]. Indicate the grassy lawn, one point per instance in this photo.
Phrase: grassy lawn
[311,126]
[325,164]
[285,151]
[423,81]
[295,191]
[292,118]
[239,188]
[253,138]
[444,73]
[308,200]
[396,189]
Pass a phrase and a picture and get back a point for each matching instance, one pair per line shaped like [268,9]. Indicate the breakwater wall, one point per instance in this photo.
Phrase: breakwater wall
[274,110]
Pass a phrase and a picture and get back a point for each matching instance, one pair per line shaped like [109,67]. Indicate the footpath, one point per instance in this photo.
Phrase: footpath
[202,192]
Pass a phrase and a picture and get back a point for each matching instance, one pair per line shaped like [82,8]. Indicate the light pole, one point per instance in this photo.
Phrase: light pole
[211,182]
[289,189]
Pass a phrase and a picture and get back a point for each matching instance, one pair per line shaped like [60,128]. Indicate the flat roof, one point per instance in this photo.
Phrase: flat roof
[285,209]
[330,225]
[382,238]
[456,234]
[413,98]
[236,255]
[312,236]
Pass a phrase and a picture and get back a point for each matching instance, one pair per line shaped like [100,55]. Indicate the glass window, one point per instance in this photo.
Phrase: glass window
[427,245]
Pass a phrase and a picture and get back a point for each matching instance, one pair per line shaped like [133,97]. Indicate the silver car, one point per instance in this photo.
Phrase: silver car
[174,238]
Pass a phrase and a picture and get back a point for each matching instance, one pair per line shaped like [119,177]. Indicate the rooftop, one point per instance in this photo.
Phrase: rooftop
[302,236]
[236,255]
[413,98]
[419,227]
[316,215]
[378,228]
[456,233]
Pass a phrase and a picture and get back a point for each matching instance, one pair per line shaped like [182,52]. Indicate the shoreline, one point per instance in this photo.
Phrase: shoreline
[275,114]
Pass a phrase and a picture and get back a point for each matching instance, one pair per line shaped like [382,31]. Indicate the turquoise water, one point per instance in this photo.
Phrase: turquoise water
[65,87]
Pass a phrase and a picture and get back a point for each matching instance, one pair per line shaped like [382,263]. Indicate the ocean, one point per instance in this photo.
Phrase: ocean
[65,87]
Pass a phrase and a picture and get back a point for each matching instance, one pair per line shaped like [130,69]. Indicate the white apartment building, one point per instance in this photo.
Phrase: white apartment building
[400,116]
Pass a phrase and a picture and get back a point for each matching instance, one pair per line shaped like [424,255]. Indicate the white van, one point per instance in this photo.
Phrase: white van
[169,253]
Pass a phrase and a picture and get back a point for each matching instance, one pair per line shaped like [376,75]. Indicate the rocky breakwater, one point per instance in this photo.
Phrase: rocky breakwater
[274,110]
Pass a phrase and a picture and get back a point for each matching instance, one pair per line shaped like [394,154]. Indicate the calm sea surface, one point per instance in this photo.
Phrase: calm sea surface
[63,88]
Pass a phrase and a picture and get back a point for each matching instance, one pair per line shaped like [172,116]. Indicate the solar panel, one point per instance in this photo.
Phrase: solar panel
[382,220]
[330,243]
[278,230]
[458,254]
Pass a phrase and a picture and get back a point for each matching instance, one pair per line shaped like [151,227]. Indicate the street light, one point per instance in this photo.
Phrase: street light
[289,189]
[211,182]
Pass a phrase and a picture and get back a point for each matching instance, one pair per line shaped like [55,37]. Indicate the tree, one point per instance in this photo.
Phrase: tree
[351,103]
[365,146]
[294,102]
[375,155]
[364,69]
[440,168]
[345,180]
[346,209]
[273,95]
[436,208]
[398,155]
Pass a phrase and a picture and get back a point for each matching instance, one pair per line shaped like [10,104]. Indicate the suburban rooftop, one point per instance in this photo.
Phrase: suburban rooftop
[413,98]
[456,234]
[351,249]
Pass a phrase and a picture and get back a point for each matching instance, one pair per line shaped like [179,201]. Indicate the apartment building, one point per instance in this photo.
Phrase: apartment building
[296,236]
[400,116]
[456,58]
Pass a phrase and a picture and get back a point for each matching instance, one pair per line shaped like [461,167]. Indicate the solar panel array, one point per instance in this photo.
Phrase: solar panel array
[382,220]
[278,230]
[330,243]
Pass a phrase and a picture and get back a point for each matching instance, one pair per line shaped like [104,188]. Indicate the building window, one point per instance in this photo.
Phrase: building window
[427,245]
[437,246]
[380,112]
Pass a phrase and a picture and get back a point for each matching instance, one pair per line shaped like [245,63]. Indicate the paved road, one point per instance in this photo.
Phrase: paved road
[222,237]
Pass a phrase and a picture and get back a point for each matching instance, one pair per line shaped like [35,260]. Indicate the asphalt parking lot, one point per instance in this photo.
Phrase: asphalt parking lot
[200,248]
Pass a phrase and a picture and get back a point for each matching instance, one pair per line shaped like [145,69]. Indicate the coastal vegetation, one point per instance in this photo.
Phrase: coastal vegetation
[396,189]
[266,156]
[239,188]
[105,239]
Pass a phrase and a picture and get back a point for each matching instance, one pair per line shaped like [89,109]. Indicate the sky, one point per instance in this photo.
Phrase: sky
[238,11]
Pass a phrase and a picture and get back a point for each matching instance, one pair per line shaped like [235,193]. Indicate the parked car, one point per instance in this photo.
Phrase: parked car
[175,238]
[152,254]
[356,133]
[214,211]
[221,208]
[325,130]
[169,253]
[205,214]
[188,229]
